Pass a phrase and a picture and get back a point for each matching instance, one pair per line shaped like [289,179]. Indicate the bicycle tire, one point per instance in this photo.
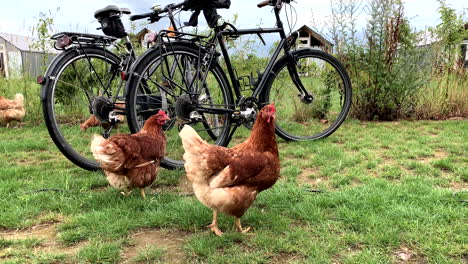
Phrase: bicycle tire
[328,82]
[59,132]
[151,64]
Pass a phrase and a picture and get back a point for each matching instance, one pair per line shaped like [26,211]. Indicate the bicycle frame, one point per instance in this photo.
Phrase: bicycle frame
[209,50]
[285,44]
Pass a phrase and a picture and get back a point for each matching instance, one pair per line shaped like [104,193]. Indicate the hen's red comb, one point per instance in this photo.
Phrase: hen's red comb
[163,114]
[272,107]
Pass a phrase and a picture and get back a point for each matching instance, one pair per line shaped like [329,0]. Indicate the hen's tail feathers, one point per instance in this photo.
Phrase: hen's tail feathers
[195,147]
[97,146]
[19,99]
[106,153]
[191,141]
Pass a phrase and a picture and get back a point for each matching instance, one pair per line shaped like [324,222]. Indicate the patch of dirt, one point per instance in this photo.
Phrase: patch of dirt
[406,255]
[47,234]
[339,141]
[289,157]
[284,257]
[26,162]
[305,177]
[438,154]
[171,241]
[185,186]
[43,231]
[459,186]
[158,188]
[352,250]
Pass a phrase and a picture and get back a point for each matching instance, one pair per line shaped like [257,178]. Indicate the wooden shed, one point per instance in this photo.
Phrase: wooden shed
[311,39]
[19,58]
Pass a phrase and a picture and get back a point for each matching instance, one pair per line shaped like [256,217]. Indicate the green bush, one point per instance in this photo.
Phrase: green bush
[393,76]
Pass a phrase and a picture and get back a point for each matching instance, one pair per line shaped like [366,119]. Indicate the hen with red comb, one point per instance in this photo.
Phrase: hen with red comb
[227,180]
[132,161]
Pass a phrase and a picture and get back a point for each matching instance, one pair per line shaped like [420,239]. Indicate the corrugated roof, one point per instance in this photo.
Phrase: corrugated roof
[23,43]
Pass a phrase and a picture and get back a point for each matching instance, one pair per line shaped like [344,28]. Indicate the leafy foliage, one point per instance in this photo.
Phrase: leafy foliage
[43,31]
[382,64]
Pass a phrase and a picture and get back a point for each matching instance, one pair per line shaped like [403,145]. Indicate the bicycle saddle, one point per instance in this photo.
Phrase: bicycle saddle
[111,9]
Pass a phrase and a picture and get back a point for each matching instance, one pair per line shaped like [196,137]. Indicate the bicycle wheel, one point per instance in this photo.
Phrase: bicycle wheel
[176,82]
[325,79]
[77,80]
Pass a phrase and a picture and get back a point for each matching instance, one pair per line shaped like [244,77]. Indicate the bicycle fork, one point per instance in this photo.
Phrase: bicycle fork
[305,96]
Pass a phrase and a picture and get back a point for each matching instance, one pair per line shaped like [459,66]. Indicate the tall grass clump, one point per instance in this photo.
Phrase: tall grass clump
[394,76]
[382,61]
[446,94]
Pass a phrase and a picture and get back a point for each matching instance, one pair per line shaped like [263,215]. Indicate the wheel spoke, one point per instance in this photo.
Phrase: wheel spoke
[79,79]
[174,79]
[324,78]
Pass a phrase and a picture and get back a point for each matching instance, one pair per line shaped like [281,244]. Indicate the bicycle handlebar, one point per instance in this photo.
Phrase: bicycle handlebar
[263,4]
[141,16]
[156,13]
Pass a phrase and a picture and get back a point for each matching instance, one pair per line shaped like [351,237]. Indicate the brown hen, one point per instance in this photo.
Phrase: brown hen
[132,161]
[12,110]
[228,179]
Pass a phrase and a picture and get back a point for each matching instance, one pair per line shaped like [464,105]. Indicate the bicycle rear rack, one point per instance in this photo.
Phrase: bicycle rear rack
[83,38]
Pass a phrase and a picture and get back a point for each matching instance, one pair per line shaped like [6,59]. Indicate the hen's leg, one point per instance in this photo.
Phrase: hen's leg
[214,224]
[239,227]
[142,191]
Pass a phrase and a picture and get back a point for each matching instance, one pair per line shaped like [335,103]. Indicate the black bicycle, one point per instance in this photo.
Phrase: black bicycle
[185,76]
[83,88]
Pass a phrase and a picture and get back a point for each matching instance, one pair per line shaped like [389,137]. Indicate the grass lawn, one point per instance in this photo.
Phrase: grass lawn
[390,193]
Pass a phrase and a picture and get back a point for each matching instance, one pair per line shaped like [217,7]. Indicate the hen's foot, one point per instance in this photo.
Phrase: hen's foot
[142,191]
[239,226]
[214,224]
[215,229]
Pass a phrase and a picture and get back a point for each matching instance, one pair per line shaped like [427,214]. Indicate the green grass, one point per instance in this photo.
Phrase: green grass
[385,188]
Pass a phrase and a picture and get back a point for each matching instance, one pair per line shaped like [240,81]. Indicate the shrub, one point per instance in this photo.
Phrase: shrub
[393,76]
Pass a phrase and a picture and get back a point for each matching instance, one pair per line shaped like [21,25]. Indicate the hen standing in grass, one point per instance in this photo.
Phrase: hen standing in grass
[228,179]
[12,110]
[132,161]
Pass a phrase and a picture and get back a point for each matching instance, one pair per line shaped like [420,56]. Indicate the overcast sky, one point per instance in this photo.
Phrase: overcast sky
[19,16]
